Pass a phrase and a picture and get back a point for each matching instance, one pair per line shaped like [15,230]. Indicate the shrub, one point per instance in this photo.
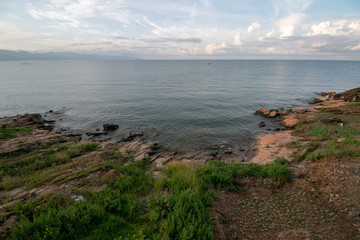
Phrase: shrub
[282,161]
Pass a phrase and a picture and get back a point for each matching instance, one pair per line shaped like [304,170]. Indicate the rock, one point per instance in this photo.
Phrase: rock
[95,134]
[332,121]
[36,118]
[340,140]
[290,122]
[284,113]
[263,112]
[298,110]
[262,124]
[273,114]
[159,162]
[110,127]
[132,136]
[228,151]
[352,95]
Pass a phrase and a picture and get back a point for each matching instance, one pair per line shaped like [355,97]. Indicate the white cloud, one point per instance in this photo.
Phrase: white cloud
[253,27]
[288,25]
[237,39]
[328,28]
[10,32]
[213,47]
[355,27]
[353,48]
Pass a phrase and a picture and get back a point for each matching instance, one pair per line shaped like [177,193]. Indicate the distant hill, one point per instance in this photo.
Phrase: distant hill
[6,55]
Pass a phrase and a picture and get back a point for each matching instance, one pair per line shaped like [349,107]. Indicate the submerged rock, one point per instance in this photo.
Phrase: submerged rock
[262,124]
[132,136]
[110,127]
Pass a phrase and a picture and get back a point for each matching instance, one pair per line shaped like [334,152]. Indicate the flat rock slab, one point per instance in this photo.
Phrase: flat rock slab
[272,146]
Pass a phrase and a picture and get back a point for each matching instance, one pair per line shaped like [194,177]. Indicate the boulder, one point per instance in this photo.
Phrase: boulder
[273,113]
[263,112]
[110,127]
[262,124]
[298,110]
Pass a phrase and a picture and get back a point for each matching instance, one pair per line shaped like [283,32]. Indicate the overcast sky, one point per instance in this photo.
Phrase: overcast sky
[185,29]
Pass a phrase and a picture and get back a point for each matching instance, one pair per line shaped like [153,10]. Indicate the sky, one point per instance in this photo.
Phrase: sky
[185,29]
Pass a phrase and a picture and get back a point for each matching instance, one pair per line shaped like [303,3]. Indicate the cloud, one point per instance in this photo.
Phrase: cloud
[10,32]
[291,6]
[287,26]
[327,28]
[214,47]
[335,28]
[354,48]
[237,39]
[253,27]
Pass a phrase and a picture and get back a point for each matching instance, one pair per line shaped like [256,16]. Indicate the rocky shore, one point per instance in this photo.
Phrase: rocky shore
[319,144]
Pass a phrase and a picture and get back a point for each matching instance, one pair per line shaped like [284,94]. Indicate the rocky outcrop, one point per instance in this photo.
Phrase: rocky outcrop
[272,113]
[352,95]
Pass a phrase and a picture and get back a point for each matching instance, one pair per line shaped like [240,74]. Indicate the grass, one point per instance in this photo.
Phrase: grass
[14,173]
[8,133]
[136,206]
[323,138]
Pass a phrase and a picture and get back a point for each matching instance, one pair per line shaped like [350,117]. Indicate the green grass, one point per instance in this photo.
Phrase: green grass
[14,173]
[8,133]
[176,207]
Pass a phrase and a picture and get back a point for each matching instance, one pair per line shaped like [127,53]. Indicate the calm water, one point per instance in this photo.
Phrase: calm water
[184,105]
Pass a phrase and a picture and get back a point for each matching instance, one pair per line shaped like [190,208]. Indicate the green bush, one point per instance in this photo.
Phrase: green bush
[277,172]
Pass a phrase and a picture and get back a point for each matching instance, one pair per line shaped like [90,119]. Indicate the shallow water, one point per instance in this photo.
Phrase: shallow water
[184,105]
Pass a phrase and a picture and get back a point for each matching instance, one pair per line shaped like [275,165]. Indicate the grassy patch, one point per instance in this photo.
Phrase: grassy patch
[8,133]
[136,206]
[221,175]
[15,173]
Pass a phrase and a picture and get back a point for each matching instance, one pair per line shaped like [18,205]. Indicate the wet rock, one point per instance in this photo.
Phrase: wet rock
[262,124]
[36,118]
[110,127]
[263,112]
[95,134]
[298,110]
[228,151]
[132,136]
[273,114]
[284,113]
